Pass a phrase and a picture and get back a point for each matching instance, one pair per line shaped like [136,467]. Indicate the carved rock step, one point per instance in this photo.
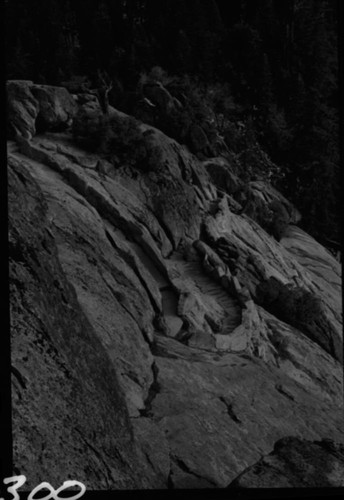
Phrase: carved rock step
[207,286]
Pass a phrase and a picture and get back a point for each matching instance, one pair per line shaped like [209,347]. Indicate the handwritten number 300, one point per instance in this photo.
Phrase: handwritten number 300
[52,495]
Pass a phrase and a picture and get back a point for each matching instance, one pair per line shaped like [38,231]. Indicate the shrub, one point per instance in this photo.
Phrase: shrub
[119,140]
[89,127]
[293,305]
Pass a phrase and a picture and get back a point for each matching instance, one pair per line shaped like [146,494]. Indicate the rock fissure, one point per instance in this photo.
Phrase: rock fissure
[153,391]
[285,392]
[21,379]
[230,410]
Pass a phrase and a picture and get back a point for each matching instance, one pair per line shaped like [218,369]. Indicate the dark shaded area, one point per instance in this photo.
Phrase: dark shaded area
[296,463]
[267,68]
[298,308]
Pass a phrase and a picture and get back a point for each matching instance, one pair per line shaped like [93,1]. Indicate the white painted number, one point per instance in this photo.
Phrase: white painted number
[52,493]
[20,480]
[40,487]
[70,484]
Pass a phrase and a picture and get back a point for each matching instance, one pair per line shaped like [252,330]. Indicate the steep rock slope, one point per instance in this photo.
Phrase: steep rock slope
[168,274]
[69,413]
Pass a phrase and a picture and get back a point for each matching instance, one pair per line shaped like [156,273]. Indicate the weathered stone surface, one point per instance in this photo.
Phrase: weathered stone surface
[324,269]
[69,413]
[56,107]
[22,108]
[102,277]
[220,412]
[155,448]
[302,360]
[297,463]
[168,294]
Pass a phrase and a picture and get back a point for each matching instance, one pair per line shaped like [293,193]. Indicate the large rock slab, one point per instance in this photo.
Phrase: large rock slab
[220,412]
[70,418]
[103,281]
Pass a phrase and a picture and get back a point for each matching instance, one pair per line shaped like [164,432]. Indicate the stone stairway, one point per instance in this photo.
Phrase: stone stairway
[208,286]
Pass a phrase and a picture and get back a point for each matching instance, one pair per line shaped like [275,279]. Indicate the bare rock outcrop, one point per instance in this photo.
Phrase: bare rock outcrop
[138,294]
[32,107]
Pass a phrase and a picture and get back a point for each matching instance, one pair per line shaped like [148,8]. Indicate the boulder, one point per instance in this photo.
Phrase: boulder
[56,107]
[22,108]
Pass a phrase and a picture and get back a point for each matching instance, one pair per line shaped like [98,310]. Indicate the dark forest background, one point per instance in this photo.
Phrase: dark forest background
[266,71]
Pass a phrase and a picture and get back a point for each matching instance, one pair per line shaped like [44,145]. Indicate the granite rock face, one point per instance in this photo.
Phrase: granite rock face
[32,107]
[70,418]
[144,286]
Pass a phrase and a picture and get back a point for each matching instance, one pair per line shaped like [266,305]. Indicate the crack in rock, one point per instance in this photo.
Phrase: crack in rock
[184,467]
[153,390]
[282,390]
[230,410]
[21,379]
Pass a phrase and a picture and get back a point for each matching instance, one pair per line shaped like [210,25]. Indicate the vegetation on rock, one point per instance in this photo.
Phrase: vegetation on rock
[261,75]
